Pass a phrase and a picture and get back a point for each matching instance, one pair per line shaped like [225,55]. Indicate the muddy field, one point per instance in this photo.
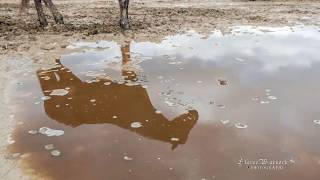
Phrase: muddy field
[149,19]
[157,70]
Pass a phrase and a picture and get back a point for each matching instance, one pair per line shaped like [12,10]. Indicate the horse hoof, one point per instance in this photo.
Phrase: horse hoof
[59,19]
[125,25]
[43,24]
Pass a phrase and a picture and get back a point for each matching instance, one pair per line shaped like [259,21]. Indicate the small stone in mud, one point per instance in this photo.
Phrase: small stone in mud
[240,126]
[92,100]
[63,46]
[48,47]
[223,82]
[114,117]
[136,125]
[32,131]
[55,153]
[107,83]
[49,147]
[316,121]
[127,158]
[158,112]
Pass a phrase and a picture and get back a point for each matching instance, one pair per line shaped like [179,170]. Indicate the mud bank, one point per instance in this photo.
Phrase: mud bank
[150,20]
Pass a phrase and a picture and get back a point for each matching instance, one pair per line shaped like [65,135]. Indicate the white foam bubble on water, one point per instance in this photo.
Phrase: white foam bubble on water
[49,147]
[59,92]
[32,131]
[272,97]
[239,59]
[174,139]
[316,121]
[264,102]
[132,84]
[136,125]
[127,158]
[170,104]
[50,132]
[225,121]
[55,153]
[44,98]
[240,125]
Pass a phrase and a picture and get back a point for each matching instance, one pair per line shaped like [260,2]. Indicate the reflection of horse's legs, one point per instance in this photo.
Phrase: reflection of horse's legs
[125,51]
[58,18]
[128,74]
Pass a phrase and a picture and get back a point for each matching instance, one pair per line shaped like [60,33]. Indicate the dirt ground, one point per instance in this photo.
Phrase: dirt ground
[151,20]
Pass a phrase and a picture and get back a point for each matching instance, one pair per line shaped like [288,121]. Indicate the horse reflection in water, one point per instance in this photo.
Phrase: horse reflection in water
[105,101]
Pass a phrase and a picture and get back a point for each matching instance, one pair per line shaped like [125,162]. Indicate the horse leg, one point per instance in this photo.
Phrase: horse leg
[127,10]
[42,19]
[58,18]
[124,17]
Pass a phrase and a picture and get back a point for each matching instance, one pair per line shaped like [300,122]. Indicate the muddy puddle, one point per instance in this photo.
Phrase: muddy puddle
[243,105]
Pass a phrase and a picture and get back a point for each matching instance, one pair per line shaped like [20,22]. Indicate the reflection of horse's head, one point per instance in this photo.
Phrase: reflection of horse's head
[104,101]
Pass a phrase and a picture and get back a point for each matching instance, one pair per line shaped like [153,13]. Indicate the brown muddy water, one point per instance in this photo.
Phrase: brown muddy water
[243,106]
